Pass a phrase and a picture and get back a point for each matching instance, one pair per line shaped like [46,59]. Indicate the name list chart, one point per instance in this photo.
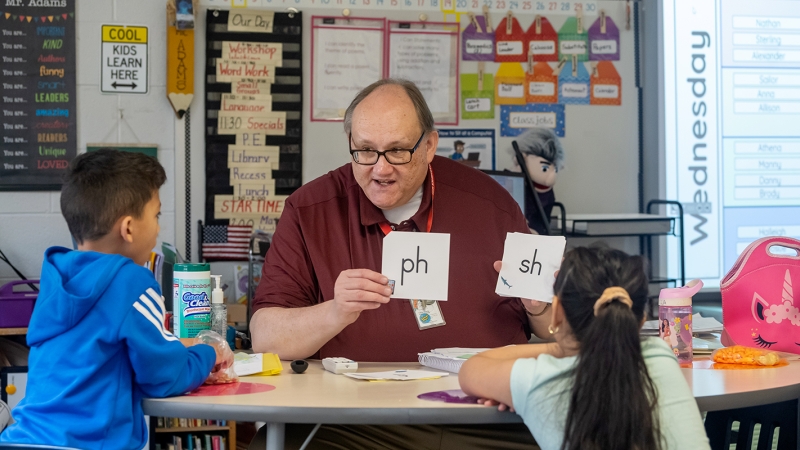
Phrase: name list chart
[760,99]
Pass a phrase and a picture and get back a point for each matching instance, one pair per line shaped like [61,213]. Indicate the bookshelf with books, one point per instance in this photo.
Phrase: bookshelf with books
[172,433]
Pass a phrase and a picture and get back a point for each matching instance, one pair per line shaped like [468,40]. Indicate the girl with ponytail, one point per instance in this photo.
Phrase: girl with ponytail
[599,386]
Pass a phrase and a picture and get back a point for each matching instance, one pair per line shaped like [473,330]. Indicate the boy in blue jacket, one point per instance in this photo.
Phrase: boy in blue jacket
[97,336]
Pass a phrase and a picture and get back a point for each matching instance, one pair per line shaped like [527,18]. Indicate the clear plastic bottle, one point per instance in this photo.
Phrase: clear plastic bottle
[219,312]
[675,319]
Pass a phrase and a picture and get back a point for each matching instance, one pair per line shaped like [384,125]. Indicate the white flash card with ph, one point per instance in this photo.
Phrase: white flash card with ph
[418,263]
[530,262]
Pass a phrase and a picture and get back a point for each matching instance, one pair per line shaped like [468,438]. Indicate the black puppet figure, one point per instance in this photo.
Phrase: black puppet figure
[544,157]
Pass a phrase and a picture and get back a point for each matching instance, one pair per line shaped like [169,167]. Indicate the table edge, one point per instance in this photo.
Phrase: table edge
[747,399]
[333,415]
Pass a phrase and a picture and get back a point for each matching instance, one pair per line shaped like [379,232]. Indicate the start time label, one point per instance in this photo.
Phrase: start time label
[124,60]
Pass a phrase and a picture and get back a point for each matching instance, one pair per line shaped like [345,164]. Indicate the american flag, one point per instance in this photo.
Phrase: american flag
[226,242]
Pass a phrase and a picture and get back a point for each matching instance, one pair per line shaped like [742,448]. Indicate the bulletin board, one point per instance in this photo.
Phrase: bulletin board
[39,131]
[597,116]
[253,115]
[347,54]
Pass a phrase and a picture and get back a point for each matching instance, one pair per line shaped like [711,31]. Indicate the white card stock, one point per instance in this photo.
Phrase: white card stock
[419,264]
[529,265]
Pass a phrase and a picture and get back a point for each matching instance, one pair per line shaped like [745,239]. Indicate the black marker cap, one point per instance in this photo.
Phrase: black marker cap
[299,366]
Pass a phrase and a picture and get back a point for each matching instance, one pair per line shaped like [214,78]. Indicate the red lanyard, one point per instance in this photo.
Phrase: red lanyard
[386,228]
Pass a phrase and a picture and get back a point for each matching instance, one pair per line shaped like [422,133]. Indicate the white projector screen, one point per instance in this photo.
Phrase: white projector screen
[731,136]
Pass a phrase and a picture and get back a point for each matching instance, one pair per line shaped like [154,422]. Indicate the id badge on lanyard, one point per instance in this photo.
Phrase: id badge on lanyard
[427,313]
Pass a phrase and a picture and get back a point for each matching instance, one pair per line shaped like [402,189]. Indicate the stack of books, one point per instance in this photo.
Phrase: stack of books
[174,433]
[448,359]
[175,422]
[194,442]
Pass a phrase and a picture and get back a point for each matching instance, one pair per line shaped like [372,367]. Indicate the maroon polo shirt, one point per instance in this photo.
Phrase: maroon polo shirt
[329,225]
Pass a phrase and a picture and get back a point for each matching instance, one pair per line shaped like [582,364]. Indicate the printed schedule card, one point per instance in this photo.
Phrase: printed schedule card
[38,98]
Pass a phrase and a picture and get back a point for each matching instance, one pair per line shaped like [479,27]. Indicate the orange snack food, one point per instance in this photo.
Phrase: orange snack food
[738,354]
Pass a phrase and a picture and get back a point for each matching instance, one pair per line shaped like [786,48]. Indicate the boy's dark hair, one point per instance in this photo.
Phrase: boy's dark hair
[613,401]
[104,185]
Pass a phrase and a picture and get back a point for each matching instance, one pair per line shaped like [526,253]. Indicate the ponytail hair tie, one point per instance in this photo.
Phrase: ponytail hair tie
[609,295]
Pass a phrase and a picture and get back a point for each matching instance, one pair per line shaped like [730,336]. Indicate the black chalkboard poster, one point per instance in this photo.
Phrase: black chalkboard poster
[39,133]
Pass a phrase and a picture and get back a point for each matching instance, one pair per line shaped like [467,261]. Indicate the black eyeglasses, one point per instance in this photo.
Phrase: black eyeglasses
[397,156]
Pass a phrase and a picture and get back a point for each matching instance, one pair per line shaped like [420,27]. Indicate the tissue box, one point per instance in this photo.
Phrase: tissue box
[237,313]
[17,305]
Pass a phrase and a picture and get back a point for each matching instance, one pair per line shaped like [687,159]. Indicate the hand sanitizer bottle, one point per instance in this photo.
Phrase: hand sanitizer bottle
[219,312]
[675,319]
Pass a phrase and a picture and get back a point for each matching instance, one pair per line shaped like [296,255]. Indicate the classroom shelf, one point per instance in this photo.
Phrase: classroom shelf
[13,331]
[643,226]
[192,429]
[161,435]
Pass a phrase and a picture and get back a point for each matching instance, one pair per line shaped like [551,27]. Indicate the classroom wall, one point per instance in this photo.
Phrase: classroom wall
[601,141]
[30,222]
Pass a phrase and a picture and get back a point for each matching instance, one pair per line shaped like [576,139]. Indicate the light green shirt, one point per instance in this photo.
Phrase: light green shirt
[541,388]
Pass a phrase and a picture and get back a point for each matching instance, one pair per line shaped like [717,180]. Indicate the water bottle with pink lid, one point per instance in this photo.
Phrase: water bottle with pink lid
[675,319]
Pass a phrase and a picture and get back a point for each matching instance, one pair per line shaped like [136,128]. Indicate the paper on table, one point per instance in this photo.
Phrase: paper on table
[529,265]
[705,344]
[702,324]
[256,364]
[397,375]
[419,264]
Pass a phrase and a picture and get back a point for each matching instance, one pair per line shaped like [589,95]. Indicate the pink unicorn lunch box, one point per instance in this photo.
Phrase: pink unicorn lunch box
[759,307]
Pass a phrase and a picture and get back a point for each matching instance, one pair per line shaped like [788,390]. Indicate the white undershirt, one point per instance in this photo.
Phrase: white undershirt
[404,212]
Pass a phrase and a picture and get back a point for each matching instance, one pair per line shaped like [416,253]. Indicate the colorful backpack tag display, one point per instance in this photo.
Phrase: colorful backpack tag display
[603,39]
[477,95]
[541,84]
[477,41]
[510,84]
[760,307]
[606,84]
[542,40]
[510,41]
[573,40]
[573,83]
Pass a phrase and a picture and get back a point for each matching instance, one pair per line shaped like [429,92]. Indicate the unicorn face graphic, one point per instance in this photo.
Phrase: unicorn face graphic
[777,323]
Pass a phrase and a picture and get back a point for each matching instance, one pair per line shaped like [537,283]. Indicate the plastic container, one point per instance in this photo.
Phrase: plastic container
[675,319]
[191,299]
[16,305]
[219,313]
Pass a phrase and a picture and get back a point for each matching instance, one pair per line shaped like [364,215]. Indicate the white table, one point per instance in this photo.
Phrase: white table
[317,396]
[716,390]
